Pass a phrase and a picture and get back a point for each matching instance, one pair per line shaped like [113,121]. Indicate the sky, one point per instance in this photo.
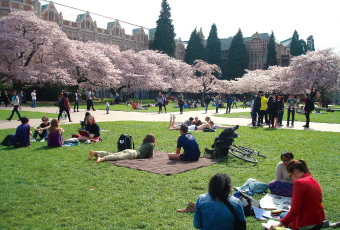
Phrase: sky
[318,18]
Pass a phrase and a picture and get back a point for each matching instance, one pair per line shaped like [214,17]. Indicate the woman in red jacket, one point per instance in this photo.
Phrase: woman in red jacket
[306,210]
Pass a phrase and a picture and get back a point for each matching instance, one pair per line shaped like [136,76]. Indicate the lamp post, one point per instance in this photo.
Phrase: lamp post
[58,74]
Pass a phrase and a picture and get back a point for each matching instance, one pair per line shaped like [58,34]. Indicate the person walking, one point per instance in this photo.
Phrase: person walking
[309,107]
[234,102]
[206,102]
[164,102]
[76,101]
[16,105]
[217,102]
[291,108]
[229,102]
[160,102]
[64,105]
[34,99]
[281,110]
[181,103]
[245,102]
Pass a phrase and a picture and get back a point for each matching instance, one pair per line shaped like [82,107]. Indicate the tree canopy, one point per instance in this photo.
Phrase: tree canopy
[238,59]
[195,49]
[214,53]
[271,52]
[164,40]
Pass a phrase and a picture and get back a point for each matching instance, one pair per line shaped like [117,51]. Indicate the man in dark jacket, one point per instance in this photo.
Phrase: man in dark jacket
[309,107]
[256,109]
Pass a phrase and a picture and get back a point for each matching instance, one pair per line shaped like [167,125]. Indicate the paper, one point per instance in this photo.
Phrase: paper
[263,214]
[270,223]
[271,201]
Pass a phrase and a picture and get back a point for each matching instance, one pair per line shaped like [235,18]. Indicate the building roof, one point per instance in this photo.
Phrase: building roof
[287,42]
[71,14]
[151,33]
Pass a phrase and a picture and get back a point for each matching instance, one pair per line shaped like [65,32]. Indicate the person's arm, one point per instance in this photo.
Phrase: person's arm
[178,150]
[197,222]
[296,204]
[278,172]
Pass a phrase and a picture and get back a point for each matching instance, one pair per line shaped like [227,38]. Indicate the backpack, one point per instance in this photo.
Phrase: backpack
[247,203]
[61,103]
[7,140]
[125,142]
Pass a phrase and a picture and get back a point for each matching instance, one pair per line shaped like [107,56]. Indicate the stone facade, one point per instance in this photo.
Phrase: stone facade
[80,25]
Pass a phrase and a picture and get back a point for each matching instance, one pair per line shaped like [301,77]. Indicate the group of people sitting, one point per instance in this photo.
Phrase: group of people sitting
[217,209]
[194,124]
[52,132]
[139,105]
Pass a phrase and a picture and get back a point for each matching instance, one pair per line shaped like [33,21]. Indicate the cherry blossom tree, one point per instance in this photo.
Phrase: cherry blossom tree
[206,82]
[31,49]
[316,71]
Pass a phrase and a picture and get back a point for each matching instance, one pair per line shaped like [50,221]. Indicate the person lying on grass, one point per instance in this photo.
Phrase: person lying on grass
[174,126]
[144,151]
[92,129]
[188,142]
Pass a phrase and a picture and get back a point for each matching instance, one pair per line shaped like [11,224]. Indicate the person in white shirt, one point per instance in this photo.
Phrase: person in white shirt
[34,99]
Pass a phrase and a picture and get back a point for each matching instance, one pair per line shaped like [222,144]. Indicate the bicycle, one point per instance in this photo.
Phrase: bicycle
[244,153]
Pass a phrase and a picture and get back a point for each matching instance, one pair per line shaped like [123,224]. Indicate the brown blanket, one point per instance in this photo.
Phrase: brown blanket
[161,164]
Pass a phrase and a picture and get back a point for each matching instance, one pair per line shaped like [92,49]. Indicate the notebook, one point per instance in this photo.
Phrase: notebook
[83,133]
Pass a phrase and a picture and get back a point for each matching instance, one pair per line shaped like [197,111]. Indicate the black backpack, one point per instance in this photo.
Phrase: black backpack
[125,142]
[248,203]
[61,103]
[7,140]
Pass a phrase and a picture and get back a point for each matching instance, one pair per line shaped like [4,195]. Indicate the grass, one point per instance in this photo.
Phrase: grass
[58,188]
[324,117]
[4,114]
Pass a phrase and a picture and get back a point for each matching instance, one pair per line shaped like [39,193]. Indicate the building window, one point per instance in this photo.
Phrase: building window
[51,16]
[117,32]
[264,46]
[87,24]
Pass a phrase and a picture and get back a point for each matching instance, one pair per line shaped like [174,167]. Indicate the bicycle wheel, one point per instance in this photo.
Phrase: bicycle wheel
[249,150]
[242,155]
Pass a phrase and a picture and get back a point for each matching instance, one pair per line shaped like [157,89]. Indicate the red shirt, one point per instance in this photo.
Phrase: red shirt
[134,106]
[306,208]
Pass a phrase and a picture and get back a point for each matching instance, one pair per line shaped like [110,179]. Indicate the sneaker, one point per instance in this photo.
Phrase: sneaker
[173,116]
[94,110]
[42,140]
[33,140]
[287,125]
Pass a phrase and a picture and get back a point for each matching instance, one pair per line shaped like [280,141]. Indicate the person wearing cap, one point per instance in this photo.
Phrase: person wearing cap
[256,109]
[309,107]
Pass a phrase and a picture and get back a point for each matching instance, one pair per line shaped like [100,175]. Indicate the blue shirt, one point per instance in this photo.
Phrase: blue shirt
[214,214]
[22,135]
[190,146]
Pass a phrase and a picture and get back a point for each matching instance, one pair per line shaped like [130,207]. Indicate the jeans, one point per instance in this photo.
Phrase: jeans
[76,104]
[290,111]
[181,108]
[42,135]
[256,113]
[34,101]
[61,113]
[307,118]
[15,109]
[228,108]
[265,114]
[217,108]
[206,107]
[280,117]
[159,107]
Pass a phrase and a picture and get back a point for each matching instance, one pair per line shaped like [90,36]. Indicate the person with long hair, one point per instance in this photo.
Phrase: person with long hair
[273,110]
[55,134]
[92,129]
[211,211]
[306,210]
[64,106]
[144,151]
[283,185]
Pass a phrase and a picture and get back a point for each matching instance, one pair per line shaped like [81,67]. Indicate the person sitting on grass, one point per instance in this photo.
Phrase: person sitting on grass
[82,123]
[211,210]
[283,185]
[188,142]
[144,151]
[92,129]
[55,134]
[40,130]
[23,134]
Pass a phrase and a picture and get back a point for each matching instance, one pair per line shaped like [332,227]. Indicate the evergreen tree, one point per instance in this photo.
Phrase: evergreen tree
[296,46]
[271,52]
[310,43]
[214,53]
[195,49]
[165,35]
[238,59]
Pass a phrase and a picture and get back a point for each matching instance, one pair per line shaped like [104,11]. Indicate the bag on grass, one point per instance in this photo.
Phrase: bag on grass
[125,142]
[7,140]
[247,203]
[208,130]
[253,186]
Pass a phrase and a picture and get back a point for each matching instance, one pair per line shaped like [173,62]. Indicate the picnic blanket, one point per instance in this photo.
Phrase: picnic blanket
[161,164]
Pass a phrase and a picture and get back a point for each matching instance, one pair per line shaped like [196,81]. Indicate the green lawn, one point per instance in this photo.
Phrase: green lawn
[4,114]
[58,188]
[324,117]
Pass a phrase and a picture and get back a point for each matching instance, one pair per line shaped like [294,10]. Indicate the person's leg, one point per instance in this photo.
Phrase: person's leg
[293,114]
[68,114]
[35,135]
[88,104]
[288,116]
[98,153]
[174,156]
[61,110]
[17,111]
[92,105]
[181,108]
[216,108]
[159,107]
[307,120]
[258,111]
[77,102]
[164,105]
[31,104]
[126,154]
[35,102]
[206,108]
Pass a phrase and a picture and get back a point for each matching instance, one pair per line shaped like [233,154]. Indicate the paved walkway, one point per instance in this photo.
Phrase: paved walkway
[101,115]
